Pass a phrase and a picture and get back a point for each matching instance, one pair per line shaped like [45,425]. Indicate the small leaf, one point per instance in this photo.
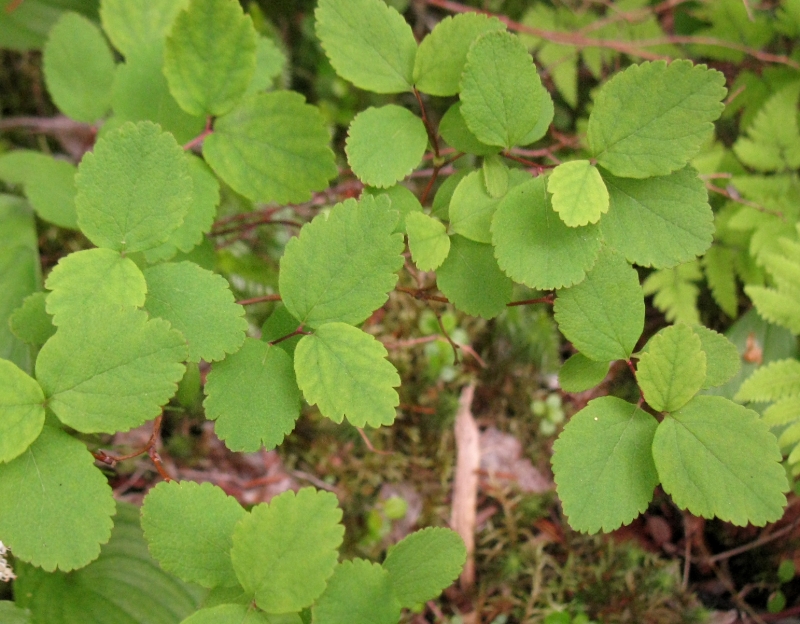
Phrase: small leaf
[722,357]
[368,43]
[385,144]
[253,397]
[495,176]
[228,614]
[132,26]
[424,563]
[403,200]
[675,292]
[718,265]
[189,529]
[285,551]
[603,316]
[471,279]
[272,147]
[210,56]
[716,458]
[453,129]
[78,68]
[672,369]
[602,465]
[427,240]
[579,194]
[115,210]
[22,409]
[344,371]
[30,322]
[57,506]
[775,381]
[359,592]
[579,373]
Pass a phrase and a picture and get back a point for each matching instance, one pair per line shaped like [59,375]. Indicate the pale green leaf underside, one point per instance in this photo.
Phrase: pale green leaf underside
[272,147]
[344,372]
[21,411]
[536,248]
[579,195]
[30,322]
[579,373]
[342,265]
[602,465]
[189,529]
[285,551]
[603,316]
[111,369]
[385,144]
[652,118]
[775,381]
[722,357]
[253,397]
[132,26]
[716,458]
[368,43]
[57,506]
[427,240]
[359,592]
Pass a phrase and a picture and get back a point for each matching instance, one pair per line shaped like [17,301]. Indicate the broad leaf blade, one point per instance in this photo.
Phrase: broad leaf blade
[359,592]
[579,195]
[229,614]
[453,129]
[722,357]
[30,322]
[427,240]
[579,373]
[132,26]
[22,409]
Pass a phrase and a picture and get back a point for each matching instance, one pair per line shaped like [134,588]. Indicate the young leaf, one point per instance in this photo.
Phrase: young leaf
[253,397]
[500,90]
[671,209]
[99,277]
[775,381]
[189,528]
[285,551]
[579,194]
[272,147]
[385,144]
[368,43]
[30,322]
[111,369]
[57,506]
[344,371]
[442,54]
[403,201]
[78,68]
[210,56]
[471,279]
[115,209]
[716,458]
[602,465]
[427,240]
[359,592]
[722,357]
[651,119]
[342,265]
[229,614]
[672,369]
[536,248]
[453,129]
[200,305]
[603,316]
[21,411]
[675,292]
[132,26]
[783,412]
[579,373]
[415,575]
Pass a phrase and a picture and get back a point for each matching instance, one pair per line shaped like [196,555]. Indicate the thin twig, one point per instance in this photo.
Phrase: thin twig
[757,543]
[200,137]
[245,302]
[549,299]
[369,443]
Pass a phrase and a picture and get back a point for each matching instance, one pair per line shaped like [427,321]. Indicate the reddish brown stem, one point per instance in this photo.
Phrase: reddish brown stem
[13,6]
[546,299]
[369,444]
[245,302]
[297,332]
[200,137]
[149,448]
[422,294]
[428,128]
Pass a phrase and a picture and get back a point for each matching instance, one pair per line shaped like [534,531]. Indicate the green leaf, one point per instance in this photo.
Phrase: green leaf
[672,369]
[189,529]
[424,563]
[278,325]
[675,292]
[471,279]
[344,372]
[453,129]
[441,201]
[775,381]
[78,68]
[500,90]
[124,584]
[115,209]
[359,592]
[783,412]
[472,206]
[652,118]
[385,144]
[442,54]
[368,43]
[342,265]
[272,147]
[100,276]
[403,200]
[427,240]
[228,614]
[12,614]
[777,306]
[579,373]
[21,411]
[57,506]
[536,248]
[603,316]
[30,322]
[132,26]
[722,357]
[200,305]
[718,265]
[285,551]
[111,369]
[253,397]
[270,62]
[716,458]
[579,194]
[546,114]
[672,210]
[603,468]
[495,175]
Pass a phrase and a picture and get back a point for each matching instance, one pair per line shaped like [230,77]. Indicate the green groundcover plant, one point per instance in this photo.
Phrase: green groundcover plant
[102,347]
